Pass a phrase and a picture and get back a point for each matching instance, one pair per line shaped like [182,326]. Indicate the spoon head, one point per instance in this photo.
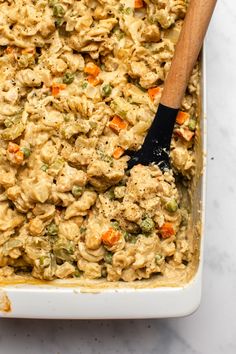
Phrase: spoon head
[147,156]
[156,146]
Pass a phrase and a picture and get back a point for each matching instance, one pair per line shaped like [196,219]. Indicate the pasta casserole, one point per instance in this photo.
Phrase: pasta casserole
[80,82]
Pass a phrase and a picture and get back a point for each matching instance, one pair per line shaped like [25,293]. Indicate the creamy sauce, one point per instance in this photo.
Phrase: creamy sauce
[80,84]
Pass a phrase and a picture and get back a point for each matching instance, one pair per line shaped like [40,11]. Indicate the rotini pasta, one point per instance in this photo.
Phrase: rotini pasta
[80,84]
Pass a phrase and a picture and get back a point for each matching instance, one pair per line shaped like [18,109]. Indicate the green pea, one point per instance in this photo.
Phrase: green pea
[106,90]
[52,229]
[44,167]
[111,194]
[77,273]
[172,206]
[130,237]
[192,124]
[26,152]
[84,85]
[159,258]
[58,10]
[68,78]
[108,257]
[115,224]
[77,191]
[147,225]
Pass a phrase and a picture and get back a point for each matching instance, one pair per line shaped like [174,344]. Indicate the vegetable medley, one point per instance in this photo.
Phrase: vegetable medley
[80,82]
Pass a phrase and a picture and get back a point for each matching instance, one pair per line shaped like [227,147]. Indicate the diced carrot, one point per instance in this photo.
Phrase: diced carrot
[182,117]
[110,237]
[117,124]
[91,69]
[138,4]
[28,50]
[167,230]
[93,80]
[56,88]
[118,152]
[185,133]
[9,50]
[19,157]
[153,92]
[13,148]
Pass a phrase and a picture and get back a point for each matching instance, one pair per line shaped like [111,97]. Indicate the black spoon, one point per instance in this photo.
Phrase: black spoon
[156,146]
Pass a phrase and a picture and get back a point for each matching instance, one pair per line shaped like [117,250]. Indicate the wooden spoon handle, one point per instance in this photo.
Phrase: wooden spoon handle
[187,50]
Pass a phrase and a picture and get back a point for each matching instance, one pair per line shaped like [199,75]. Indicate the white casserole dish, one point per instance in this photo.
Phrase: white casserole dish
[67,300]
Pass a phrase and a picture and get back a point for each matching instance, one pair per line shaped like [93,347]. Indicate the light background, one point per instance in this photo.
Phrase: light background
[212,329]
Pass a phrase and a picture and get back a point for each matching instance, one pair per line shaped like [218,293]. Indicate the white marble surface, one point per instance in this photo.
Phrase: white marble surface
[212,329]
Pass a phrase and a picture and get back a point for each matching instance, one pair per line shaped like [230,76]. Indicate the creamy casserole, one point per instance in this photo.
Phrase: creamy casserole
[80,82]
